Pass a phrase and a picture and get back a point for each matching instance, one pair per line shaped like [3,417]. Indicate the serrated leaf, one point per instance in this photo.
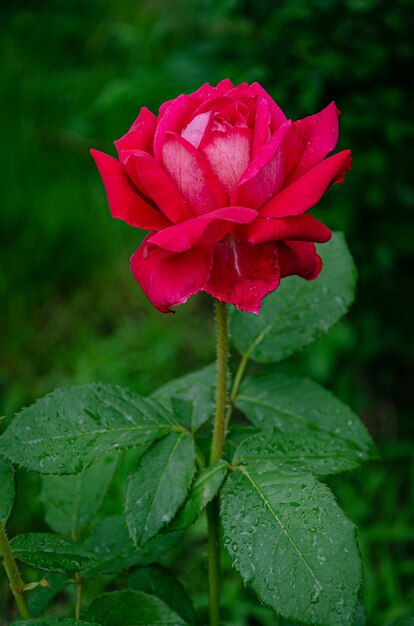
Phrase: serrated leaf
[132,608]
[197,390]
[203,490]
[6,490]
[40,598]
[279,400]
[299,311]
[50,553]
[292,544]
[316,452]
[159,486]
[71,502]
[158,581]
[69,428]
[112,546]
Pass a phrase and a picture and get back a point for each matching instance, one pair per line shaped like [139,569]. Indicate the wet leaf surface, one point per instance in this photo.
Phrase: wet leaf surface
[69,428]
[292,545]
[132,608]
[159,486]
[50,553]
[299,311]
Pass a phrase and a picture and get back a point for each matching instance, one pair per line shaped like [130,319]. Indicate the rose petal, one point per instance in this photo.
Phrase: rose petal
[191,174]
[206,91]
[158,186]
[195,130]
[174,119]
[124,200]
[300,228]
[307,190]
[243,274]
[264,176]
[262,125]
[319,135]
[278,117]
[203,230]
[168,278]
[229,155]
[140,136]
[299,258]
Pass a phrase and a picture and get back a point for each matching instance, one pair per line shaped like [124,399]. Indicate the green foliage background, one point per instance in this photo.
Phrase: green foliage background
[74,75]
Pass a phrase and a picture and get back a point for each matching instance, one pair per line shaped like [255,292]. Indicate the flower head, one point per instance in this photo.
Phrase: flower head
[223,182]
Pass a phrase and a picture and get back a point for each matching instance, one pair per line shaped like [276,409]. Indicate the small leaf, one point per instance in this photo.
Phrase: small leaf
[299,311]
[203,490]
[306,451]
[197,389]
[71,502]
[291,404]
[51,553]
[292,544]
[41,597]
[158,581]
[159,486]
[132,608]
[6,490]
[112,546]
[69,428]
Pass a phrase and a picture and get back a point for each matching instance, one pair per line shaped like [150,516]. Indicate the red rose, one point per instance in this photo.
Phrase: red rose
[223,181]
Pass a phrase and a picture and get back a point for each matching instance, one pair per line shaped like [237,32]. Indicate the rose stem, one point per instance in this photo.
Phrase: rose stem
[217,448]
[13,574]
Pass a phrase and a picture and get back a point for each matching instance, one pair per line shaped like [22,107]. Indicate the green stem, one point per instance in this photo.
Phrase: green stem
[217,449]
[13,574]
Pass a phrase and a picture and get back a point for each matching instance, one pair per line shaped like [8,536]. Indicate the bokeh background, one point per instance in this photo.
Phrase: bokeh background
[74,75]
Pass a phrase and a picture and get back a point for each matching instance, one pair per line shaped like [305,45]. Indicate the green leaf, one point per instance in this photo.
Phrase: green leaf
[159,486]
[306,451]
[41,597]
[132,608]
[71,502]
[6,489]
[112,546]
[197,389]
[299,311]
[158,581]
[51,553]
[292,404]
[404,621]
[203,490]
[69,428]
[292,544]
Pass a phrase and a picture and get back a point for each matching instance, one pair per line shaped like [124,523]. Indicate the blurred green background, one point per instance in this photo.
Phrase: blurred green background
[74,75]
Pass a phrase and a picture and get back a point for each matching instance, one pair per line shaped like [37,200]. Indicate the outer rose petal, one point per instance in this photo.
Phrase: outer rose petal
[140,136]
[124,200]
[299,258]
[262,125]
[243,274]
[203,230]
[319,135]
[299,228]
[160,188]
[307,190]
[192,175]
[168,278]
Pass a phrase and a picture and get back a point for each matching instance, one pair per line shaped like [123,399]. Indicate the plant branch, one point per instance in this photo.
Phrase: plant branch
[217,449]
[13,574]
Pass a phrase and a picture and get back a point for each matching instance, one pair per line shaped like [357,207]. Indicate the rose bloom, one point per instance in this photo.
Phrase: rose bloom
[223,181]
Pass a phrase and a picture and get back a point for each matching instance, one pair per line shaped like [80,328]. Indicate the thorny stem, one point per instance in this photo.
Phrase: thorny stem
[217,449]
[13,574]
